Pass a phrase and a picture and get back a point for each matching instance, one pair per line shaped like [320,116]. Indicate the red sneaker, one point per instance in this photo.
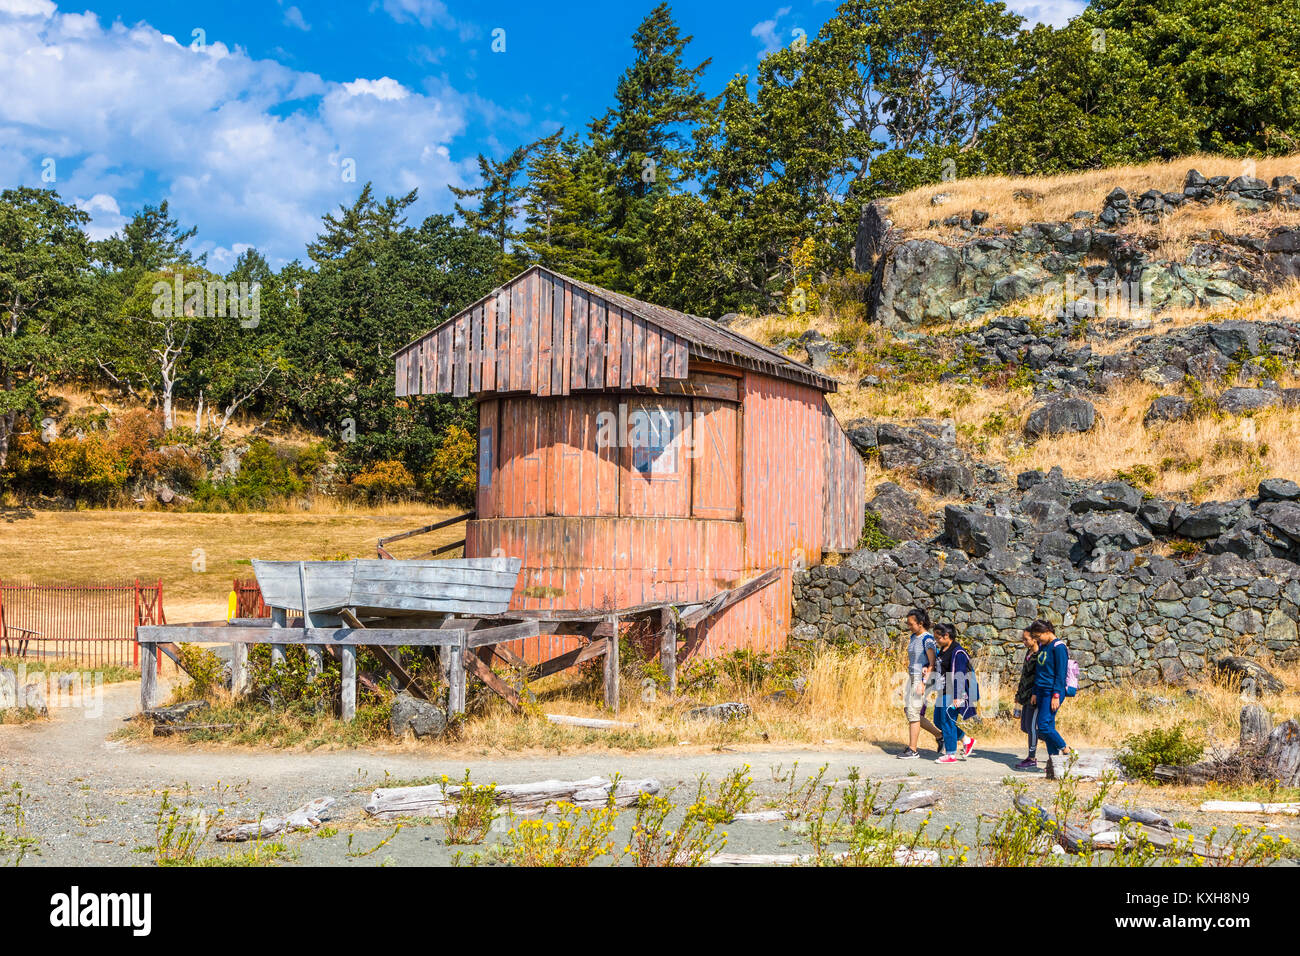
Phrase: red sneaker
[948,758]
[970,745]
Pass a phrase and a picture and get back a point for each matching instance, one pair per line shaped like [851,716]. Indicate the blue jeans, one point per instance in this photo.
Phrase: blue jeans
[945,718]
[1047,725]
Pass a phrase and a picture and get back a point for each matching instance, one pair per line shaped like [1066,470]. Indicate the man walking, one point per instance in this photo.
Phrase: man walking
[921,650]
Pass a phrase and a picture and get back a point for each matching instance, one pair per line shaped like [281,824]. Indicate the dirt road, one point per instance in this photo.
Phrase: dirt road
[92,800]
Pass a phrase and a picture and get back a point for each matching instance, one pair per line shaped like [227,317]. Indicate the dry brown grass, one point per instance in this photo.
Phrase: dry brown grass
[1212,456]
[1061,196]
[74,547]
[851,700]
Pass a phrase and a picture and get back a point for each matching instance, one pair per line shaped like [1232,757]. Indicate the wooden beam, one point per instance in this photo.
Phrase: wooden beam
[498,635]
[579,655]
[475,664]
[327,636]
[725,599]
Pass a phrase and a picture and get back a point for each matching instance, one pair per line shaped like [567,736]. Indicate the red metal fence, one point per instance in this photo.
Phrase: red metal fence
[93,624]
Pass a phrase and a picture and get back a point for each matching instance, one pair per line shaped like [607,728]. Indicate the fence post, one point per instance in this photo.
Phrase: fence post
[135,650]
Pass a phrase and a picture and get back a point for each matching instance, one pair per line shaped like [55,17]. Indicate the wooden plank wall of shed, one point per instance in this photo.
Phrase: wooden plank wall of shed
[783,476]
[541,335]
[591,563]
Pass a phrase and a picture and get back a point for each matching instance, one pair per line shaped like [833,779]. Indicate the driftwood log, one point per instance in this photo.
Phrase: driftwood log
[1141,815]
[910,801]
[1250,806]
[433,801]
[1071,838]
[1264,753]
[304,818]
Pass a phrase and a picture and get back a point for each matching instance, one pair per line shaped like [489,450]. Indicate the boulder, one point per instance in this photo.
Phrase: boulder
[1102,531]
[1167,408]
[733,710]
[1059,417]
[1205,521]
[1239,401]
[1157,514]
[863,435]
[420,717]
[975,532]
[1243,669]
[947,478]
[1110,496]
[1278,489]
[899,517]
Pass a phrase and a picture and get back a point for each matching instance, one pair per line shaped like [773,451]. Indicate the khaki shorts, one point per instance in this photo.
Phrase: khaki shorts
[913,702]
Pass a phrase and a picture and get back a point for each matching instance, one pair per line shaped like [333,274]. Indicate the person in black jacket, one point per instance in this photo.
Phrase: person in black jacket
[1025,707]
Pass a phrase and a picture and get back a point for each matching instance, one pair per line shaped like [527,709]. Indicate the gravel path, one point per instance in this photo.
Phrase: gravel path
[90,800]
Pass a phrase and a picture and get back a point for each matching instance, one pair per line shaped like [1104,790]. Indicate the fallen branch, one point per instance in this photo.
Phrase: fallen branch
[304,818]
[594,722]
[1248,806]
[432,800]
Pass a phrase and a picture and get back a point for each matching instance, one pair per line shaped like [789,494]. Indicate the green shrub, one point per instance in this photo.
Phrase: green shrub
[873,536]
[206,670]
[1175,746]
[453,474]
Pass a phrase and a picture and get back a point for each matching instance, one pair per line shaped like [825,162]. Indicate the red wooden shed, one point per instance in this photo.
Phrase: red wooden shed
[632,454]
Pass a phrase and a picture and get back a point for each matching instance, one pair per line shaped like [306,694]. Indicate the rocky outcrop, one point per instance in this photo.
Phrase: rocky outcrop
[918,281]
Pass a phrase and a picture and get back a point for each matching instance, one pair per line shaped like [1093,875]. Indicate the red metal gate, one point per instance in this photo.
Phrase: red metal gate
[248,599]
[93,624]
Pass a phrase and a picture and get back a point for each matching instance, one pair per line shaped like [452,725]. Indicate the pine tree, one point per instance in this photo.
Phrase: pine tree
[646,136]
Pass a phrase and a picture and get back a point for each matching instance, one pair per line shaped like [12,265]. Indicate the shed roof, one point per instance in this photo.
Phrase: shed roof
[584,336]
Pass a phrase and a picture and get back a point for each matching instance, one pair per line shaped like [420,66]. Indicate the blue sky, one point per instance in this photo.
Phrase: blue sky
[253,126]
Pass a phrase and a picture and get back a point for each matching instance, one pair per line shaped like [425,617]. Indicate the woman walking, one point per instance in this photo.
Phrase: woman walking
[957,696]
[1025,700]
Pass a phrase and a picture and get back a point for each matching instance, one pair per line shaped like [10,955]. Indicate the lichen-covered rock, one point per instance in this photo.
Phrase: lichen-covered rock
[1059,417]
[419,717]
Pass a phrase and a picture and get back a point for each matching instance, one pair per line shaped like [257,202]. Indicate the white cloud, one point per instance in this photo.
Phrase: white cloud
[384,88]
[250,151]
[765,31]
[1053,12]
[28,8]
[424,12]
[293,17]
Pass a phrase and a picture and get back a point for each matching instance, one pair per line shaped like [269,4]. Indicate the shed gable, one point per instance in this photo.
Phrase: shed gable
[541,334]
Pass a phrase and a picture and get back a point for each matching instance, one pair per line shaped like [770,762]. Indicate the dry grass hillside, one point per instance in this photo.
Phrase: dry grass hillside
[1212,456]
[1013,202]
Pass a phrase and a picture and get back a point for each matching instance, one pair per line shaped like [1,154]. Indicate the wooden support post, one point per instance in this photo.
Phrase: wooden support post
[456,678]
[277,650]
[348,691]
[315,658]
[239,677]
[668,648]
[611,669]
[148,677]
